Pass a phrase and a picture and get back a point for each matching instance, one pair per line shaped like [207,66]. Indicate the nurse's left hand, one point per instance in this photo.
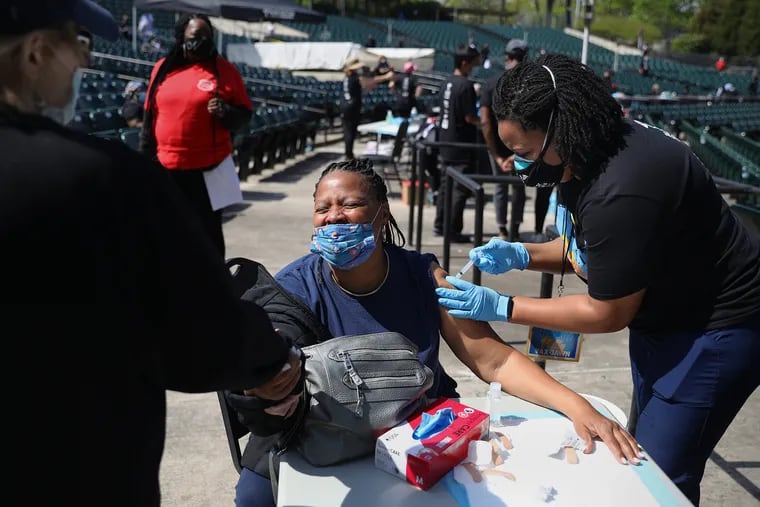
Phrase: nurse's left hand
[472,301]
[590,424]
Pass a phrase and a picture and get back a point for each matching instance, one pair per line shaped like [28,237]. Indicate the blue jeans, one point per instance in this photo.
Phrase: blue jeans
[253,490]
[688,388]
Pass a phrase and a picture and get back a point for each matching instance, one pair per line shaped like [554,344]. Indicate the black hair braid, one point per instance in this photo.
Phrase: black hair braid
[587,126]
[392,232]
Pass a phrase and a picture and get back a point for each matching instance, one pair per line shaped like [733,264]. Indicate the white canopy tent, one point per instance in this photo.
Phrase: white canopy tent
[323,55]
[256,29]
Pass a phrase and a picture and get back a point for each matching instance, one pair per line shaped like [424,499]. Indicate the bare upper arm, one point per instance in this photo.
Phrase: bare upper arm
[474,342]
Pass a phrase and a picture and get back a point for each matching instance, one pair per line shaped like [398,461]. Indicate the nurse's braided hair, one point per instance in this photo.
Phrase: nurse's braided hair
[588,124]
[391,232]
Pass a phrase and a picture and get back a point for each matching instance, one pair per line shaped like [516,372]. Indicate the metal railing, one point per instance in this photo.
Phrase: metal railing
[472,182]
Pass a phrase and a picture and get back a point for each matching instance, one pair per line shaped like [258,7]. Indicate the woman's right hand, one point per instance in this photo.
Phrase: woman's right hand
[282,384]
[506,165]
[498,256]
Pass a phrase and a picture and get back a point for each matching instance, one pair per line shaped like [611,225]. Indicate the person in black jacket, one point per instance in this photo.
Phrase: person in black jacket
[117,294]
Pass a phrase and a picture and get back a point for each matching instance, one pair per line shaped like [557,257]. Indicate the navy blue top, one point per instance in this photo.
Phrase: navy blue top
[405,304]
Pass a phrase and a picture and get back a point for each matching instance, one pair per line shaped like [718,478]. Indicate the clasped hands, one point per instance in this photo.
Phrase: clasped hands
[470,301]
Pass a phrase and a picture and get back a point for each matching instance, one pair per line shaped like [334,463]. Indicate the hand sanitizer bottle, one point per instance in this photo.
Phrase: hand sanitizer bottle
[494,405]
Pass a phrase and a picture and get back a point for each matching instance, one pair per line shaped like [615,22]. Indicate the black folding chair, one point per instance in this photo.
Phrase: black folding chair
[235,431]
[392,161]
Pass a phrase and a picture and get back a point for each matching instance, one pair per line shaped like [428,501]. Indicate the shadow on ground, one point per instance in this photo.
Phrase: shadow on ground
[295,172]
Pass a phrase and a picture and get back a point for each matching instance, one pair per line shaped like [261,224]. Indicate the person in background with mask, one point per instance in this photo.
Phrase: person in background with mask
[109,282]
[502,161]
[641,222]
[358,279]
[195,100]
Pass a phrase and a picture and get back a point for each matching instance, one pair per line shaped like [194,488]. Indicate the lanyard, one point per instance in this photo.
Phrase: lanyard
[566,245]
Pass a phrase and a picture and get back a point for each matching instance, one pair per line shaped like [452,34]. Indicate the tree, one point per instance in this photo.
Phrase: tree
[614,7]
[669,16]
[748,43]
[549,8]
[731,26]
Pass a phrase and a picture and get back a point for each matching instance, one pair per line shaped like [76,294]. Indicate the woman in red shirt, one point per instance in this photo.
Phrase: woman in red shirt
[195,99]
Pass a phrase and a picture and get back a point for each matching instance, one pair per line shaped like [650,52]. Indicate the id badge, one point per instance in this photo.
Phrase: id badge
[548,344]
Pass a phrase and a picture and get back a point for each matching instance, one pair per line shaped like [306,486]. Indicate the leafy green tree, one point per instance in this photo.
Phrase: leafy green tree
[621,8]
[670,16]
[748,43]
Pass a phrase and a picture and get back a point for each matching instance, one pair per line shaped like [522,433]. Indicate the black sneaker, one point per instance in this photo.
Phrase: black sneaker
[437,233]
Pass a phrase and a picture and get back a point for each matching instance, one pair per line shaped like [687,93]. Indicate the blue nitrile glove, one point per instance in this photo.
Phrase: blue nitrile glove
[499,256]
[434,424]
[473,301]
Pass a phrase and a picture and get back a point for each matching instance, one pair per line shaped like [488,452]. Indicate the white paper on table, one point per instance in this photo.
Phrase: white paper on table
[596,481]
[223,185]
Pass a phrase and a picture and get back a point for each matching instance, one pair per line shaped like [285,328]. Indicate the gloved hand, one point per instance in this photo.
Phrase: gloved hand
[499,256]
[473,301]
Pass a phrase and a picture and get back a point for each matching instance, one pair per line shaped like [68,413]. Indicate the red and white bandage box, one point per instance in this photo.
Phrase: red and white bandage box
[423,462]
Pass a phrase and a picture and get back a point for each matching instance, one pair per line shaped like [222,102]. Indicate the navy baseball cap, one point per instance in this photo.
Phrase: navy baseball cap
[515,46]
[18,17]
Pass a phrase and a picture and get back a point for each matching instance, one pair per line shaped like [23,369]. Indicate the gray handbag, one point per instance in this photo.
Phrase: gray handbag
[357,388]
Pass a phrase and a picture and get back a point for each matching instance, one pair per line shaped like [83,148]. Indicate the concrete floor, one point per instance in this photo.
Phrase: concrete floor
[274,227]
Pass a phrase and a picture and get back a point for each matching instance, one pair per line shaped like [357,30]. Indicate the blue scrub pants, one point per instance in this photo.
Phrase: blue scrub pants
[253,490]
[688,388]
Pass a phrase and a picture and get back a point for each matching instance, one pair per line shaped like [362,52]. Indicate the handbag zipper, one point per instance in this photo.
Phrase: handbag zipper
[378,355]
[356,379]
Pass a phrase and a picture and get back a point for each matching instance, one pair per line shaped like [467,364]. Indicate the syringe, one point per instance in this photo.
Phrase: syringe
[465,269]
[467,266]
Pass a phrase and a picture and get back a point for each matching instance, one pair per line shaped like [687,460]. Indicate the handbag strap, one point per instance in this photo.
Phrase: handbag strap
[289,436]
[273,474]
[283,443]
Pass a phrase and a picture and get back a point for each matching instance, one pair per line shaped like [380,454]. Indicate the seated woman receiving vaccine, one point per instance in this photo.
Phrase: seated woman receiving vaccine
[359,280]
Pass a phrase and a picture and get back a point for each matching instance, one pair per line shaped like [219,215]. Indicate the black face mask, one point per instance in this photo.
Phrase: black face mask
[199,47]
[540,174]
[537,173]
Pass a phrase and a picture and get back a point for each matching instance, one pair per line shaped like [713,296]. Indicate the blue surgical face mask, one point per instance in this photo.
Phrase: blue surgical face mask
[345,246]
[65,114]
